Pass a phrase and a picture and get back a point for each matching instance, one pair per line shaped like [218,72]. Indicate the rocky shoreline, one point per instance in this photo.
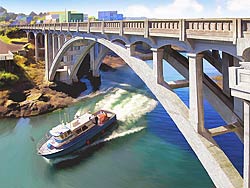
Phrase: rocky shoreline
[26,101]
[35,102]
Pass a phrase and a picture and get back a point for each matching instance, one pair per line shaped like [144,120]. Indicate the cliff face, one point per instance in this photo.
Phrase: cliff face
[6,16]
[3,11]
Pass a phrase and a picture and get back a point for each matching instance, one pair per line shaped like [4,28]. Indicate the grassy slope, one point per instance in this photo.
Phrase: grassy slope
[7,40]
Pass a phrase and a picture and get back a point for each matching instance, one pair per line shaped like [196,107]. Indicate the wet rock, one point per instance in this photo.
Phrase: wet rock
[17,96]
[12,105]
[34,96]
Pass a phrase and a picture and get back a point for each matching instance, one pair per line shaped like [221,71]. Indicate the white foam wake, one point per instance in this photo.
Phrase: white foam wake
[113,136]
[127,105]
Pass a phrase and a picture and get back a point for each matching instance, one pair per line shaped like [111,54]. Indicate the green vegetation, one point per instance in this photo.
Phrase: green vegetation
[33,71]
[7,78]
[21,61]
[11,35]
[5,39]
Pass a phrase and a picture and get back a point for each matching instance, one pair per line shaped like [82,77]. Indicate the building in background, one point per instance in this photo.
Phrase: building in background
[75,17]
[70,16]
[21,19]
[52,18]
[109,16]
[29,19]
[85,17]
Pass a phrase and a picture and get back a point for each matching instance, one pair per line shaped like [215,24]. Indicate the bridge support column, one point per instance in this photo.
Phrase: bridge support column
[227,61]
[60,41]
[36,46]
[196,112]
[46,57]
[94,53]
[130,49]
[54,45]
[239,83]
[246,144]
[47,46]
[96,56]
[92,57]
[238,107]
[50,43]
[158,64]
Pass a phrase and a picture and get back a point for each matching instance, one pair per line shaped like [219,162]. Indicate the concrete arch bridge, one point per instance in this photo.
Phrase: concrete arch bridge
[224,43]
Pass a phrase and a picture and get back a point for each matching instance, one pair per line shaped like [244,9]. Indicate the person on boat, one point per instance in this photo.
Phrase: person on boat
[102,117]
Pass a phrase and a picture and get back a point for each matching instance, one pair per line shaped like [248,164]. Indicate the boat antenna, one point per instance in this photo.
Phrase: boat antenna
[68,117]
[60,117]
[65,117]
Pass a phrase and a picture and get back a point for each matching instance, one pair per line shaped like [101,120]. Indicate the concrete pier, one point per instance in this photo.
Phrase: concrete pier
[246,144]
[196,113]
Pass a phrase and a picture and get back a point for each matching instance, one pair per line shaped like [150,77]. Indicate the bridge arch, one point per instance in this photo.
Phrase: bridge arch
[227,48]
[122,39]
[77,65]
[30,35]
[149,41]
[60,54]
[111,46]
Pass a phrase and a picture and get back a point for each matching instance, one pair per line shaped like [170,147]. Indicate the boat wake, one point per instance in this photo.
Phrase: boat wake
[115,135]
[127,105]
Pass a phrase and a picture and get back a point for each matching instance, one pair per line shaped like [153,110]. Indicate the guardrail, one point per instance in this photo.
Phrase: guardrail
[208,29]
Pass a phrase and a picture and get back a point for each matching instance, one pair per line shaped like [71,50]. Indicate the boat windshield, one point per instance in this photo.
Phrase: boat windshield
[59,129]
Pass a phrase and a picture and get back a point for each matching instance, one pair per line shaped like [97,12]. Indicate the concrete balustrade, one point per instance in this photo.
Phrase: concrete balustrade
[245,28]
[164,28]
[216,29]
[95,26]
[205,29]
[73,26]
[83,27]
[133,27]
[112,27]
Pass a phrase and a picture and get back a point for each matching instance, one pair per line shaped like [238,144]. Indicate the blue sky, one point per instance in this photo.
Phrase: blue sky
[147,8]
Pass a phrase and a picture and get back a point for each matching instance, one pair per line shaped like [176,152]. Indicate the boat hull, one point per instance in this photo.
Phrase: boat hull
[82,140]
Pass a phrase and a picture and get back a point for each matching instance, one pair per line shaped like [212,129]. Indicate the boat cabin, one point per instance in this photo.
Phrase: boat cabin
[61,133]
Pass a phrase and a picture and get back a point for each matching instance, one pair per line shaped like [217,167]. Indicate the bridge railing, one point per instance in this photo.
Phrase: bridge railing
[133,27]
[165,28]
[245,29]
[206,29]
[83,26]
[95,26]
[218,29]
[112,27]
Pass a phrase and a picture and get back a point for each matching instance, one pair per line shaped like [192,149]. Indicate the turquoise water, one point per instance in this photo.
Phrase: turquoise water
[145,151]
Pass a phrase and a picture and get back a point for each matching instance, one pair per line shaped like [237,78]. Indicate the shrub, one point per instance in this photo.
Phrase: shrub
[15,33]
[7,78]
[21,61]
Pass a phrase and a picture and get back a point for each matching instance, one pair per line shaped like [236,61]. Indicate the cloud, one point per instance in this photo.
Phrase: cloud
[236,5]
[176,9]
[219,10]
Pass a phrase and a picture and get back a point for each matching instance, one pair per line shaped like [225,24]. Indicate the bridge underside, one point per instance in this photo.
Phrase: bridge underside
[190,121]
